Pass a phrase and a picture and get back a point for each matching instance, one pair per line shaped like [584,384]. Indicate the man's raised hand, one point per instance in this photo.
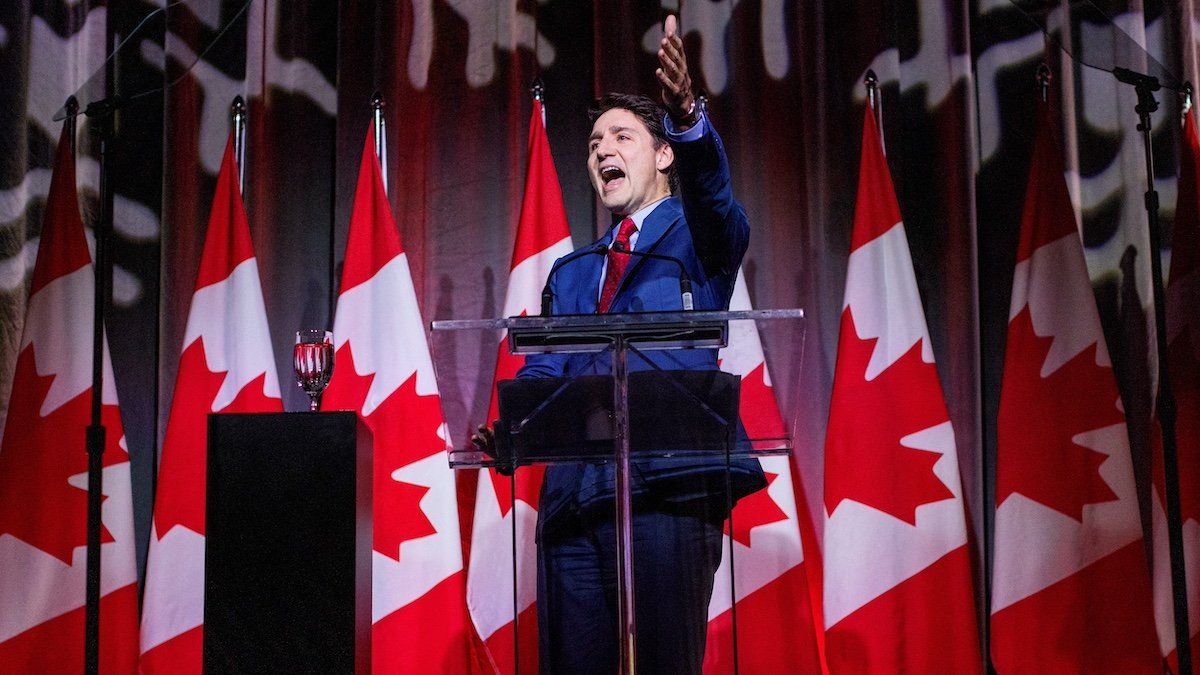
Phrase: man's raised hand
[673,75]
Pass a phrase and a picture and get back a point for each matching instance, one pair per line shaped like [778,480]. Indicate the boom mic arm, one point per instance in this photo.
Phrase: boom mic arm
[547,294]
[685,282]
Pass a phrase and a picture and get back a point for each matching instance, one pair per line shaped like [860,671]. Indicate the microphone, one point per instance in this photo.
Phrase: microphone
[685,282]
[547,294]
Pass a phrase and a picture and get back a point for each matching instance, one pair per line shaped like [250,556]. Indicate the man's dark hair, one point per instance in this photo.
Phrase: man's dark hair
[645,109]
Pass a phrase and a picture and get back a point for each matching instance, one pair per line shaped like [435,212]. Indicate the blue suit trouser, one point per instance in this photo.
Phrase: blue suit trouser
[676,552]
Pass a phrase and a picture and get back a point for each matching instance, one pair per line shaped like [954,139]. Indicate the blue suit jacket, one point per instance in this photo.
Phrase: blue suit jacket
[707,229]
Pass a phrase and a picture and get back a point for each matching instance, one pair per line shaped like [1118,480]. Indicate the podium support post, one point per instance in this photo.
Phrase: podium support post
[624,523]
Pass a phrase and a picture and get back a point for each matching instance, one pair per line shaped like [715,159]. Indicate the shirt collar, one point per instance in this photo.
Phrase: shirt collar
[639,216]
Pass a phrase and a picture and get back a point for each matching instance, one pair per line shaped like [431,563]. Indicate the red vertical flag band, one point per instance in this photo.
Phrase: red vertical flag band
[1071,589]
[385,373]
[892,480]
[542,237]
[226,365]
[777,625]
[43,466]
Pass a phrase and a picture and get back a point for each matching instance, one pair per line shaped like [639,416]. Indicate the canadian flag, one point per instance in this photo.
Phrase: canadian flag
[771,535]
[1183,360]
[897,585]
[385,373]
[1071,586]
[542,237]
[43,466]
[226,365]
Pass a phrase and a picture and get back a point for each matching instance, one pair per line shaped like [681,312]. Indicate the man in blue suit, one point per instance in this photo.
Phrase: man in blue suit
[663,174]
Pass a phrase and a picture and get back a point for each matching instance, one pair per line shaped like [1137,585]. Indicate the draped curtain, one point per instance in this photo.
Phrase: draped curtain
[784,81]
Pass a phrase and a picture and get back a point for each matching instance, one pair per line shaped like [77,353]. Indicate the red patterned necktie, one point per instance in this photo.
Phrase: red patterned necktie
[617,262]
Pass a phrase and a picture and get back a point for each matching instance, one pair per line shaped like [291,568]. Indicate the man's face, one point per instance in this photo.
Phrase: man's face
[626,170]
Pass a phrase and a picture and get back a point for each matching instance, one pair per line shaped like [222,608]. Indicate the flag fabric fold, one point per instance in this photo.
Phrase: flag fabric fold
[898,593]
[772,530]
[1071,587]
[384,371]
[226,365]
[542,237]
[43,466]
[1183,361]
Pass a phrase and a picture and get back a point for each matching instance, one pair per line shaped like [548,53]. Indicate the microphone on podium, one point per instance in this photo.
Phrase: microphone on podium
[547,294]
[685,282]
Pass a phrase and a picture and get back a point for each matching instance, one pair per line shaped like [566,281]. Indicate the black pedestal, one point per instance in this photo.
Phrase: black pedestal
[287,583]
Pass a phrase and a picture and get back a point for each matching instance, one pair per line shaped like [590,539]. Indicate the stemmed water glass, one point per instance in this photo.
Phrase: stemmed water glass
[312,359]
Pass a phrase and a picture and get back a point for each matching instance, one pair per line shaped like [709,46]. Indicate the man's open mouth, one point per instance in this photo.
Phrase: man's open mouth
[608,174]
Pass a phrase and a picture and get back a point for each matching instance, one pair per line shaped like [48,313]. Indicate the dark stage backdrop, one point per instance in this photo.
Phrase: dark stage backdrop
[784,80]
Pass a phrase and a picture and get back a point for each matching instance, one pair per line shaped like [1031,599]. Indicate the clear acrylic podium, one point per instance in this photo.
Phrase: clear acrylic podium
[622,408]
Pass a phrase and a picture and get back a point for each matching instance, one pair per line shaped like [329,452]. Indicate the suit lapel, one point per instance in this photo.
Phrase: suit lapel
[590,300]
[656,225]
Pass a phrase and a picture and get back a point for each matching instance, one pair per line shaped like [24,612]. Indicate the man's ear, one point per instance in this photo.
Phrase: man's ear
[664,157]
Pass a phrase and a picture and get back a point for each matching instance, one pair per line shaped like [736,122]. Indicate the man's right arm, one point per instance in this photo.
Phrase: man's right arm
[543,365]
[720,229]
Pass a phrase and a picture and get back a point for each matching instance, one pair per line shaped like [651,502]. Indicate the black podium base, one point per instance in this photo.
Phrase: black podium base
[288,544]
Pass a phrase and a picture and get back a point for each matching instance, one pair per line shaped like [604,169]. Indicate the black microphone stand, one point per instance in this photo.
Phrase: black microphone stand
[547,293]
[685,282]
[1145,86]
[102,114]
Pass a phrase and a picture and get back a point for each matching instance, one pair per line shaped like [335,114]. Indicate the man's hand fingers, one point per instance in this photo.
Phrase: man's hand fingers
[669,67]
[667,82]
[674,46]
[672,52]
[672,72]
[483,436]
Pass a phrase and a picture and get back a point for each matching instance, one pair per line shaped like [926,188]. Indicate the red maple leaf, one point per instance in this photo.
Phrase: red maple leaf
[1039,417]
[528,478]
[398,514]
[529,487]
[37,504]
[182,479]
[507,365]
[759,410]
[754,510]
[864,460]
[405,428]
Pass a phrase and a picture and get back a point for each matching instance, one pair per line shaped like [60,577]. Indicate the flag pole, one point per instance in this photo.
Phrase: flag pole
[72,108]
[238,111]
[1145,86]
[871,80]
[538,91]
[380,136]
